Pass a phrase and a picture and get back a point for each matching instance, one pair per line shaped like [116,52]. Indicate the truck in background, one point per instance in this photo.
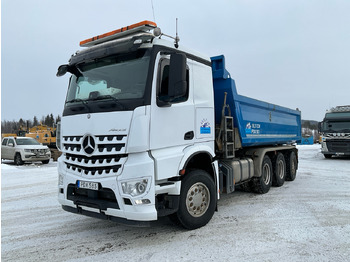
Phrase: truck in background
[335,132]
[153,129]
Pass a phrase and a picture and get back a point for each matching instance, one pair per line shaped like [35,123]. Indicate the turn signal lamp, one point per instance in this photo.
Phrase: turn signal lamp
[143,26]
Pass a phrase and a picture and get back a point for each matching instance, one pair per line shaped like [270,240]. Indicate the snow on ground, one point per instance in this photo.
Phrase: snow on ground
[305,220]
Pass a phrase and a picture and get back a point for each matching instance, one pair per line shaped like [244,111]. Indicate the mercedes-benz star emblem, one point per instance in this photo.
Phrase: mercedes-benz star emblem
[89,144]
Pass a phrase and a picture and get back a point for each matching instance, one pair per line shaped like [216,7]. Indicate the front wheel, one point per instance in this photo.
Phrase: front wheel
[197,200]
[18,159]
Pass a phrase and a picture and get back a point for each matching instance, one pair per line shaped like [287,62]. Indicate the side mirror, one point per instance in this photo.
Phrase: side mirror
[11,145]
[62,70]
[177,76]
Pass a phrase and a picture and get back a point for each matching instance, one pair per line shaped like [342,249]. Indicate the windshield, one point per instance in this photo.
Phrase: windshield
[337,126]
[27,141]
[109,83]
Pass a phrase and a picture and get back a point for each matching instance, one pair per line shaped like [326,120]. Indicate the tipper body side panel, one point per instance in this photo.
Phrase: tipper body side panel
[259,123]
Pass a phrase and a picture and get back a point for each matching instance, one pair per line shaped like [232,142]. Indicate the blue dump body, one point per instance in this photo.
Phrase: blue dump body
[259,123]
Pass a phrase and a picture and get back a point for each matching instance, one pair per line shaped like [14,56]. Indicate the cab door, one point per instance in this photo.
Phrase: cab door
[172,122]
[9,149]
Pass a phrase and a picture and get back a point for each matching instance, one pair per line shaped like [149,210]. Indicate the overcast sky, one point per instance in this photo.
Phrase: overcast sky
[294,53]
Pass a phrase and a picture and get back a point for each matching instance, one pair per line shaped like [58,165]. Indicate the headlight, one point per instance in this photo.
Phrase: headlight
[28,150]
[135,187]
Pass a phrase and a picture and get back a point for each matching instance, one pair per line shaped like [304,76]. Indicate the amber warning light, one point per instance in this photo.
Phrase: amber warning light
[143,26]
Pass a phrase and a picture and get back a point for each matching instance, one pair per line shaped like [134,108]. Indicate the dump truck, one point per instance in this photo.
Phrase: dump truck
[335,132]
[152,129]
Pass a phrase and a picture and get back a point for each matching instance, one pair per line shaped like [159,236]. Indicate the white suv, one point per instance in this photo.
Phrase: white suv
[24,149]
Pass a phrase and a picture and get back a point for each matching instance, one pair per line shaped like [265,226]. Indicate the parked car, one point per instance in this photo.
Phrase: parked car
[24,149]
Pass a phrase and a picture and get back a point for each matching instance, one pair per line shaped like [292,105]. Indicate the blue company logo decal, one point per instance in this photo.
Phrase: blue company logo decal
[248,128]
[205,127]
[252,128]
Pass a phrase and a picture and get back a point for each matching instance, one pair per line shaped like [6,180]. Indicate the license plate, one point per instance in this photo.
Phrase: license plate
[87,185]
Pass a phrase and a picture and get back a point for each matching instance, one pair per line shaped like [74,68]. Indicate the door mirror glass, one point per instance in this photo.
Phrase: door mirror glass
[177,76]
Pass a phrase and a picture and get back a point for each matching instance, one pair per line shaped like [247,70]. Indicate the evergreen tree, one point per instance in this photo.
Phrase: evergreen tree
[35,121]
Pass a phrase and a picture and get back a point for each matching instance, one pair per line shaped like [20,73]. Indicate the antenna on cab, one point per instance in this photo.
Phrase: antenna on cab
[158,33]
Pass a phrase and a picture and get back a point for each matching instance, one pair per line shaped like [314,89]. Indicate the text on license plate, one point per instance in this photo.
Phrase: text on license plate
[87,185]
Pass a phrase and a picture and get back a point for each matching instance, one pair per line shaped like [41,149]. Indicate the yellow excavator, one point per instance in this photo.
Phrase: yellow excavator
[45,135]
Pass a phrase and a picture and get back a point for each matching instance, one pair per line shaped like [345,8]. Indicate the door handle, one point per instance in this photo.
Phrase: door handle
[189,135]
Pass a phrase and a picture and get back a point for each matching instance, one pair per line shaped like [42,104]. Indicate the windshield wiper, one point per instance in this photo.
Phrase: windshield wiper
[103,97]
[84,102]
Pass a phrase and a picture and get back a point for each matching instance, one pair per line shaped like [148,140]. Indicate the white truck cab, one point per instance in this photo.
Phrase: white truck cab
[138,118]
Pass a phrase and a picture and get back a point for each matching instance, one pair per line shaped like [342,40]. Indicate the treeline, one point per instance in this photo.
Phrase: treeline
[310,124]
[21,124]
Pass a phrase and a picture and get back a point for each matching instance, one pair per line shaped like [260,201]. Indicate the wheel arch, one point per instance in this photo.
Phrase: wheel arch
[201,157]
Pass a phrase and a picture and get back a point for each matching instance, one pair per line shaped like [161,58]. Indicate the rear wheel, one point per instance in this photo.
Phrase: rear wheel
[45,161]
[263,183]
[292,166]
[279,170]
[18,159]
[197,200]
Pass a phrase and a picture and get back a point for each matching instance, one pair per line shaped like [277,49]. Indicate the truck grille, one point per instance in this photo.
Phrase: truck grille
[90,156]
[339,145]
[338,135]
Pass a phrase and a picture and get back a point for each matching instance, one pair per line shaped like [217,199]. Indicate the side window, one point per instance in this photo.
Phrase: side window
[163,83]
[4,142]
[11,141]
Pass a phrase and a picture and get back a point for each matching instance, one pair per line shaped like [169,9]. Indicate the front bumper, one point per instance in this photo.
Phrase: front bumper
[340,147]
[34,157]
[109,201]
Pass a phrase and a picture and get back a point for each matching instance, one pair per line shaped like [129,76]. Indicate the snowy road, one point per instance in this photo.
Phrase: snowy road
[305,220]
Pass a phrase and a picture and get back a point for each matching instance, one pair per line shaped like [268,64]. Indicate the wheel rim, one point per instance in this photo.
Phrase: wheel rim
[266,174]
[198,199]
[281,169]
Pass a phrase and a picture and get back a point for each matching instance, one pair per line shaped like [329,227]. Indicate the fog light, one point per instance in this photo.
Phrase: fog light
[142,201]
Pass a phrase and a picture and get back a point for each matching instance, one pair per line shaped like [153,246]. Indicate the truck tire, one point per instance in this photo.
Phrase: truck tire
[292,166]
[45,161]
[279,170]
[263,183]
[197,200]
[18,159]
